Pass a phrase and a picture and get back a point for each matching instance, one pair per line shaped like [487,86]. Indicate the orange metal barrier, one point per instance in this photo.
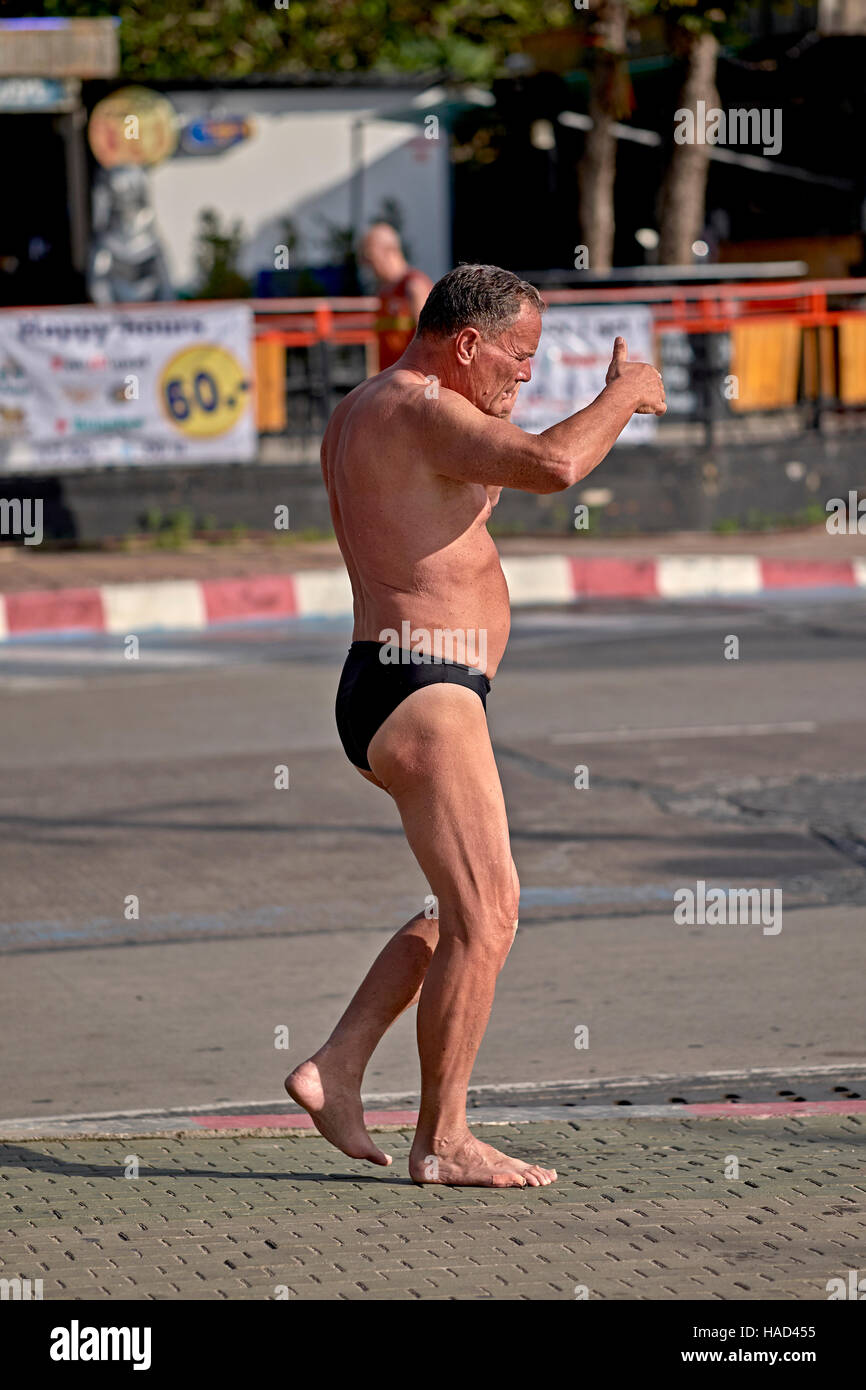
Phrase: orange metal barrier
[786,341]
[270,397]
[765,363]
[852,359]
[303,323]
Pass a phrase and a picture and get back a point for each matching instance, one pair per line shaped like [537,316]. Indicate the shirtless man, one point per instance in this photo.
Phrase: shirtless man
[414,462]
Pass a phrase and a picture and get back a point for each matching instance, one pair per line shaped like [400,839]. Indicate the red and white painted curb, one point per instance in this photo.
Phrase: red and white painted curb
[173,1122]
[193,605]
[520,1102]
[528,1114]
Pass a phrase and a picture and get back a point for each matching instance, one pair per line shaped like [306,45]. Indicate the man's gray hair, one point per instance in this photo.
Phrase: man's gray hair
[476,296]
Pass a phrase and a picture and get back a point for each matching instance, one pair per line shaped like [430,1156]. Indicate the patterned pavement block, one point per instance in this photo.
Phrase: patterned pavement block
[642,1210]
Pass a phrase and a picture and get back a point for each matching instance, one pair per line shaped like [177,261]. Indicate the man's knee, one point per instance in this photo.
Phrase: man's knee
[484,918]
[503,919]
[495,933]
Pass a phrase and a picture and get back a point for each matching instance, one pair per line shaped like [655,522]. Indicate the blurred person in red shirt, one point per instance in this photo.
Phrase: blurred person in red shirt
[402,291]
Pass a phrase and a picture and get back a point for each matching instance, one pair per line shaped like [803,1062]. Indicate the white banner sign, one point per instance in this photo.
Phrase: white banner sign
[166,383]
[573,356]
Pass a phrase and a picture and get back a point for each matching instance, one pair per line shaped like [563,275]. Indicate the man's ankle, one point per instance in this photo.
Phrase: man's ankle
[339,1059]
[441,1139]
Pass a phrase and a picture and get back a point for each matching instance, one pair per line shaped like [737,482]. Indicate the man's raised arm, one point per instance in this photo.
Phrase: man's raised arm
[480,448]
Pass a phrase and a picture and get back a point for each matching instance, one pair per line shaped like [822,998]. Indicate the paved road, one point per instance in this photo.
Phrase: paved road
[260,908]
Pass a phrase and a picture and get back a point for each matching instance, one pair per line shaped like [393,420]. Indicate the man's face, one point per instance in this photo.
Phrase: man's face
[502,363]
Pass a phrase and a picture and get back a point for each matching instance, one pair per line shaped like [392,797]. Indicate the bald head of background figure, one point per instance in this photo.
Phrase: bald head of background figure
[382,251]
[402,291]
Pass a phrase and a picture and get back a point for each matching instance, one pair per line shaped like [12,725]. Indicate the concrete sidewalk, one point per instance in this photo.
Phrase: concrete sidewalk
[204,585]
[642,1210]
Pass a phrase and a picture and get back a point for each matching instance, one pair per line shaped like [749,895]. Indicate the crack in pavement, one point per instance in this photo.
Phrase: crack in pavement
[807,804]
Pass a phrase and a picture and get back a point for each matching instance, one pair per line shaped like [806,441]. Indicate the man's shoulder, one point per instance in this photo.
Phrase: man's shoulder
[398,399]
[361,397]
[388,396]
[420,400]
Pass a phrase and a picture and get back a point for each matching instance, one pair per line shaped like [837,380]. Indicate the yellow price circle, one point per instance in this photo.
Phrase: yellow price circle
[204,391]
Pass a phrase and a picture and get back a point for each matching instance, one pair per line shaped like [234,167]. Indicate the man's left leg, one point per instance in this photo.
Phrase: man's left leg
[328,1084]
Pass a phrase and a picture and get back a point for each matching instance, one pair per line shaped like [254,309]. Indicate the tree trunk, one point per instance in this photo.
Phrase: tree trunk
[684,189]
[608,102]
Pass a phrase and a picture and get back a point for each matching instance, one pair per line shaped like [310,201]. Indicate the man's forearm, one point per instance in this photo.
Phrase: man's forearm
[584,439]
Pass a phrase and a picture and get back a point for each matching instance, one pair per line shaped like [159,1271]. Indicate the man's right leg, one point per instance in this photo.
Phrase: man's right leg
[433,756]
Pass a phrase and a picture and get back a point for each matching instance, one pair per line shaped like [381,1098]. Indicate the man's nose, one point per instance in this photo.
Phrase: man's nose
[525,372]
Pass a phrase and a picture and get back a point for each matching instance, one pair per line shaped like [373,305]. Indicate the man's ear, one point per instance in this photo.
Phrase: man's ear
[466,345]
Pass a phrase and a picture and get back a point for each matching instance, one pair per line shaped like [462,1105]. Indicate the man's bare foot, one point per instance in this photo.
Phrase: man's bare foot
[467,1162]
[335,1109]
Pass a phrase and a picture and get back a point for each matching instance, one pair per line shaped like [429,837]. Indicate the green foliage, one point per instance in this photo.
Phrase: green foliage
[162,39]
[812,514]
[169,531]
[697,16]
[339,242]
[216,257]
[291,239]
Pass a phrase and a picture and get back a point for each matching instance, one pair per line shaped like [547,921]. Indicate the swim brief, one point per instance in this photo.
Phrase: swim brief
[370,689]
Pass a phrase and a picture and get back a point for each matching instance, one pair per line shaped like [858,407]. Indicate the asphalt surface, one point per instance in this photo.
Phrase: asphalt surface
[260,909]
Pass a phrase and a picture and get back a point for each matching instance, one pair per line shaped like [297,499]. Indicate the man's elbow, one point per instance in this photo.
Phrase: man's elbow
[557,472]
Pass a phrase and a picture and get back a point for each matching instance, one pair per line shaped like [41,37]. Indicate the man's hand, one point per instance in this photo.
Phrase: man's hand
[643,379]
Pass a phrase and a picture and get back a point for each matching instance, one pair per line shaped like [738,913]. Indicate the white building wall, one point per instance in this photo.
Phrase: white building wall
[298,164]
